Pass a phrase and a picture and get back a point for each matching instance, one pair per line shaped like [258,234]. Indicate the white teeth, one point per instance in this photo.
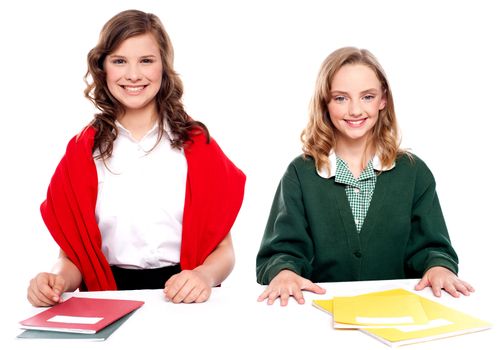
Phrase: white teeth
[355,122]
[134,88]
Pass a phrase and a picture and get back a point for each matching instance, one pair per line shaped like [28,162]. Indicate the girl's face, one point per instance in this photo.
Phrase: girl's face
[134,73]
[356,99]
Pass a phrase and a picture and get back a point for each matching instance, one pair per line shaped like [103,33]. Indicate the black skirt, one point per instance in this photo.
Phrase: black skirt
[127,279]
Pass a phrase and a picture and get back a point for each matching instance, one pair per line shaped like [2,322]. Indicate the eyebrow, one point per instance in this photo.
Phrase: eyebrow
[372,91]
[141,57]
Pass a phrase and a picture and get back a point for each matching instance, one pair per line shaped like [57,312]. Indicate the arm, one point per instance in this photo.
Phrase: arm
[195,285]
[430,250]
[286,251]
[286,243]
[45,289]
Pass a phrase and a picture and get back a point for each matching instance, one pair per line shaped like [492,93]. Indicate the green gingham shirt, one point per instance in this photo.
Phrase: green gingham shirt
[359,191]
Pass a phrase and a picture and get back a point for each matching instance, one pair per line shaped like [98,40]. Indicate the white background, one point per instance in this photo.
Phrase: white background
[248,69]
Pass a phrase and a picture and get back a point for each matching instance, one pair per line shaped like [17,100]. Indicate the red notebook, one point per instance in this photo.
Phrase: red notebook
[81,315]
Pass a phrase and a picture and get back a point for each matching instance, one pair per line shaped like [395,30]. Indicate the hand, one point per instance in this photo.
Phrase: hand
[439,277]
[46,289]
[287,283]
[188,286]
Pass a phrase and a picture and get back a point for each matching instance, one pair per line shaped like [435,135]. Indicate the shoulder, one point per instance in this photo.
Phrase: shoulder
[301,163]
[199,139]
[411,164]
[200,146]
[204,152]
[84,140]
[411,160]
[301,167]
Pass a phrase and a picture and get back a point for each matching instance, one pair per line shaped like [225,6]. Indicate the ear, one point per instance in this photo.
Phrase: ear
[383,101]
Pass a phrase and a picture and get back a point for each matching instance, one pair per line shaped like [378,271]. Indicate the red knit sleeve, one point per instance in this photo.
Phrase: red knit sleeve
[214,195]
[69,212]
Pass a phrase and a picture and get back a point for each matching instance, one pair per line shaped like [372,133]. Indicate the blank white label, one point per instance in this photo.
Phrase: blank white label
[385,320]
[75,319]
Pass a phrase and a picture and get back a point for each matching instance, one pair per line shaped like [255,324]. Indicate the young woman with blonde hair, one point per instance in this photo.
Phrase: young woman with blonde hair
[354,206]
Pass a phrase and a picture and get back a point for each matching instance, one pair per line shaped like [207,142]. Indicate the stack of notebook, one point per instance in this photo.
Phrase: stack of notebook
[79,318]
[399,317]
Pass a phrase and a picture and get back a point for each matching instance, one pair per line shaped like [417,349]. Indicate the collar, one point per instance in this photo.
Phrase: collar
[153,130]
[332,158]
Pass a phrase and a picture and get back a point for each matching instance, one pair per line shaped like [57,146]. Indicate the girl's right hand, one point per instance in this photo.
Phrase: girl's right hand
[46,289]
[287,283]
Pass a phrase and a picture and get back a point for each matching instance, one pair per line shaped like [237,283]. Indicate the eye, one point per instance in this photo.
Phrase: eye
[339,99]
[118,61]
[147,60]
[368,98]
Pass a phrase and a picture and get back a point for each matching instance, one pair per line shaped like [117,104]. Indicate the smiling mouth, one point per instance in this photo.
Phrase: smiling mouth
[356,122]
[134,88]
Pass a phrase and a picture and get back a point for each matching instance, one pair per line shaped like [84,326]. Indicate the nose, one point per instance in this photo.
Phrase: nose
[133,73]
[355,108]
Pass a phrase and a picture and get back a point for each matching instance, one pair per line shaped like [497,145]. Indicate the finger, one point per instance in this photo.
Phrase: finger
[284,296]
[183,292]
[35,301]
[469,287]
[46,285]
[192,295]
[58,287]
[272,296]
[436,289]
[41,293]
[173,286]
[263,296]
[450,288]
[297,294]
[171,281]
[423,283]
[204,295]
[462,288]
[312,287]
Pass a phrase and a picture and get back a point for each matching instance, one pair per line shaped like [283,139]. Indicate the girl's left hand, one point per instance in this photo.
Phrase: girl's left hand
[439,277]
[188,286]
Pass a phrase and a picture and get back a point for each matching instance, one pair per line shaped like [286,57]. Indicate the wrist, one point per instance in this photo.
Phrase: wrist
[205,275]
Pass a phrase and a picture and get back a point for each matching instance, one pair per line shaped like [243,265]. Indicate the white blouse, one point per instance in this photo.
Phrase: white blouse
[140,201]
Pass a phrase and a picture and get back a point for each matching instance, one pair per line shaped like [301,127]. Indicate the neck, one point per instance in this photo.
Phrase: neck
[138,123]
[355,154]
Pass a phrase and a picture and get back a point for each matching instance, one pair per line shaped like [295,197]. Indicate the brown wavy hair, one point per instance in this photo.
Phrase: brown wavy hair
[319,136]
[119,28]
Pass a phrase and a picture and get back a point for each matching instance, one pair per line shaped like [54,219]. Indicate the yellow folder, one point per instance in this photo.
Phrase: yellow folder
[378,310]
[443,321]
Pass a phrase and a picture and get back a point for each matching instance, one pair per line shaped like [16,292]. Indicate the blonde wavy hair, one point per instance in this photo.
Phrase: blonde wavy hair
[319,137]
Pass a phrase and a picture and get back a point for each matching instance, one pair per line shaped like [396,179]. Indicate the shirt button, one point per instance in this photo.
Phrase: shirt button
[356,190]
[358,254]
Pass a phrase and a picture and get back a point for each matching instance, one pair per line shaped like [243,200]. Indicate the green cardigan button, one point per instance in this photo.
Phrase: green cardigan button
[358,254]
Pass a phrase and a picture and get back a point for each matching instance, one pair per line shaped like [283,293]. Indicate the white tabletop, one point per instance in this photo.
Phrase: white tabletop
[233,319]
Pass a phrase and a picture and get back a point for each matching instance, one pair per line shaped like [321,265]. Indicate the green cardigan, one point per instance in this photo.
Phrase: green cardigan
[311,228]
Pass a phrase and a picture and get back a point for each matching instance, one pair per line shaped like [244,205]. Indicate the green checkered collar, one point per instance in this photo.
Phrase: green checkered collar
[323,172]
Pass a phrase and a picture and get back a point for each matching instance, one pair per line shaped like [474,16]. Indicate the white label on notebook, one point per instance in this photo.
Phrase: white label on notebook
[75,319]
[440,322]
[384,320]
